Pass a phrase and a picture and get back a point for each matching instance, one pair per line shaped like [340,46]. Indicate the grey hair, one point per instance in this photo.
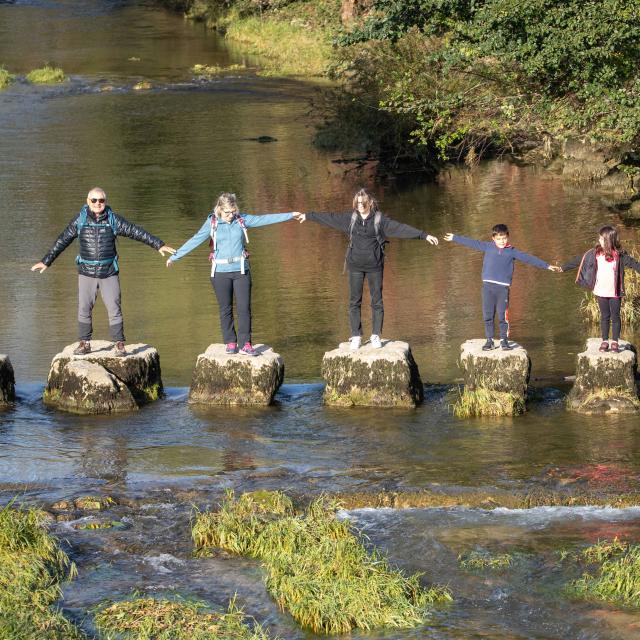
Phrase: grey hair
[100,190]
[225,200]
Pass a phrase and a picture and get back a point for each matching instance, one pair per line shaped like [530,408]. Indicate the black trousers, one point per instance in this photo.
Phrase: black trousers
[226,285]
[356,284]
[610,313]
[495,299]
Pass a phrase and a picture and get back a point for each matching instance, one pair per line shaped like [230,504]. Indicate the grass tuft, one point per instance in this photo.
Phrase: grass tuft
[484,560]
[211,71]
[486,402]
[617,578]
[6,78]
[151,619]
[46,75]
[32,566]
[316,568]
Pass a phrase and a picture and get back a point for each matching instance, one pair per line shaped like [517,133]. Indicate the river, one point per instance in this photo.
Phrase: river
[163,155]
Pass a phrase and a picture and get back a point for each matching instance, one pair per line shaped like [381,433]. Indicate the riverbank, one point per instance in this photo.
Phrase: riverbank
[425,85]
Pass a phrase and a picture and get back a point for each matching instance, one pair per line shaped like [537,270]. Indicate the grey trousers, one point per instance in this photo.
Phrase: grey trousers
[87,296]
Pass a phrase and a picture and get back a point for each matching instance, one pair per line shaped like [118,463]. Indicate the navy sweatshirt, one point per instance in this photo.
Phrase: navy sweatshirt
[498,263]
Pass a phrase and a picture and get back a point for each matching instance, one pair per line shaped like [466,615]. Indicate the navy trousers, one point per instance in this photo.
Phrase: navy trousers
[495,299]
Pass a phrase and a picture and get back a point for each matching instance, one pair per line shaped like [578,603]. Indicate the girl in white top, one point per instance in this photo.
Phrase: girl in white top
[601,270]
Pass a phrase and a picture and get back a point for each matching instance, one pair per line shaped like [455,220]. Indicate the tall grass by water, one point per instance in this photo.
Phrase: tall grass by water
[616,578]
[6,78]
[162,619]
[46,75]
[487,402]
[32,568]
[316,568]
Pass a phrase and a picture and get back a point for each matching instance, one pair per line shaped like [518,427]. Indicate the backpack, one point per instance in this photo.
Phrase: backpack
[213,242]
[81,221]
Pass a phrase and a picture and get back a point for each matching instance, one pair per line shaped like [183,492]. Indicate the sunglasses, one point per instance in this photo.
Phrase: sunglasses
[100,200]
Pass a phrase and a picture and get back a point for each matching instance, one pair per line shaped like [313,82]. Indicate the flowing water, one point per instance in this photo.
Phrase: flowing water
[163,155]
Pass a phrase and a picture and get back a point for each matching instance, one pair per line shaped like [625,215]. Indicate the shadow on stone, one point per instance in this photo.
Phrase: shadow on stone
[368,377]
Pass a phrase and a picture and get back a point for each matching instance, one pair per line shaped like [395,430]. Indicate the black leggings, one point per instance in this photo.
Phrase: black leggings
[227,285]
[610,311]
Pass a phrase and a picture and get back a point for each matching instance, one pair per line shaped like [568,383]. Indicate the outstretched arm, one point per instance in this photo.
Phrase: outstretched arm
[135,232]
[630,262]
[267,218]
[574,263]
[61,243]
[532,260]
[339,221]
[195,241]
[395,229]
[467,242]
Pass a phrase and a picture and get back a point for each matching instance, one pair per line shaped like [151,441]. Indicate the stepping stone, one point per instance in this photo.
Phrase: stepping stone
[101,381]
[368,377]
[495,382]
[605,382]
[7,381]
[235,379]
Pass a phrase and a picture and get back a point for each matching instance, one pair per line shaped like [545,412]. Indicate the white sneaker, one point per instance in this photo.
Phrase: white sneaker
[354,343]
[375,342]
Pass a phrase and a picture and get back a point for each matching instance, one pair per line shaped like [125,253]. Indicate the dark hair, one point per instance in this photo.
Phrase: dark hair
[371,204]
[611,242]
[500,229]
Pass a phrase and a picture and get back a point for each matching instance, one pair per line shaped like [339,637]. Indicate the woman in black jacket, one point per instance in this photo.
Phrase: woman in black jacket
[368,229]
[601,270]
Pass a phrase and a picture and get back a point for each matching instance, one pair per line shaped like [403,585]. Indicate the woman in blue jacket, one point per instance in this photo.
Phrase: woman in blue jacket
[226,230]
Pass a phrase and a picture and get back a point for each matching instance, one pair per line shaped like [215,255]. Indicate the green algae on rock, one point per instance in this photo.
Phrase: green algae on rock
[368,377]
[317,569]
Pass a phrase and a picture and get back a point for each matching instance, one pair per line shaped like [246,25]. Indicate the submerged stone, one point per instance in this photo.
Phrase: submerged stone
[368,377]
[495,381]
[101,381]
[236,379]
[7,381]
[605,382]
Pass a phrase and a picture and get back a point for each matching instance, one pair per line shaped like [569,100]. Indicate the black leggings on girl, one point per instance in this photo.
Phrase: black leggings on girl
[609,311]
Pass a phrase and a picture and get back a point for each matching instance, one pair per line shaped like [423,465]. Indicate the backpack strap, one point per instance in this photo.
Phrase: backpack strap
[213,244]
[81,221]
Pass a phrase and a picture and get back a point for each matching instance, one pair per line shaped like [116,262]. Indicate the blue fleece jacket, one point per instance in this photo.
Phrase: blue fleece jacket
[229,237]
[498,263]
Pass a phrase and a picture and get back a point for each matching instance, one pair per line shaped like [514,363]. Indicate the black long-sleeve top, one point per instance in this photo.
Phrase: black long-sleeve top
[365,253]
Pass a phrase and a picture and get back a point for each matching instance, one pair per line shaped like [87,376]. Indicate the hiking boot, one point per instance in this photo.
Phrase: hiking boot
[354,343]
[375,341]
[248,350]
[232,347]
[604,346]
[615,347]
[504,343]
[83,348]
[120,350]
[488,345]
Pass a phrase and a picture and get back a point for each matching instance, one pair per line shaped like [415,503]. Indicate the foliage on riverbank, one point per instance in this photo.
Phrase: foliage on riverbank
[151,618]
[32,568]
[6,78]
[46,75]
[317,569]
[615,578]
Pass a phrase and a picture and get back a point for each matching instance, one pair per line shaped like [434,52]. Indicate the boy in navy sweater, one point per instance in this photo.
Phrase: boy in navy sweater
[497,273]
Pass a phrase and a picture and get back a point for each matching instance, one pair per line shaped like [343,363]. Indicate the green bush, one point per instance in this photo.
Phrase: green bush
[6,78]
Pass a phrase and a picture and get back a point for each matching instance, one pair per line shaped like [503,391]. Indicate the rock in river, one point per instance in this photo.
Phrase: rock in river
[236,379]
[102,382]
[7,381]
[495,381]
[368,377]
[605,382]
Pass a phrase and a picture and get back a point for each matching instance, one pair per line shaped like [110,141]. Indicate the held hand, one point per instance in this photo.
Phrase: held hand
[448,237]
[431,239]
[166,249]
[555,269]
[169,262]
[300,217]
[41,266]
